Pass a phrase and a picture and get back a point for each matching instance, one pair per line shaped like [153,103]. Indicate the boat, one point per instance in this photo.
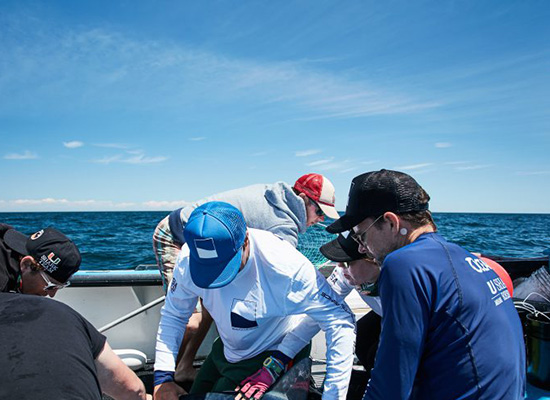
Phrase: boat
[125,306]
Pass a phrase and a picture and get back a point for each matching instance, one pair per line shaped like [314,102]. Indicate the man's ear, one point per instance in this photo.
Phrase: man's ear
[394,221]
[26,263]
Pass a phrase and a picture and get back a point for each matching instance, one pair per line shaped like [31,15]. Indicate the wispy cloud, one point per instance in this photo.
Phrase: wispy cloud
[443,145]
[142,159]
[457,162]
[320,162]
[529,173]
[115,69]
[73,145]
[197,139]
[119,146]
[413,166]
[138,158]
[26,155]
[107,159]
[472,167]
[348,170]
[306,153]
[333,164]
[260,154]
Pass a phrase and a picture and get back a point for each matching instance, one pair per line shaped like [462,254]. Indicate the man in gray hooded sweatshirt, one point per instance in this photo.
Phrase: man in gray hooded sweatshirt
[279,208]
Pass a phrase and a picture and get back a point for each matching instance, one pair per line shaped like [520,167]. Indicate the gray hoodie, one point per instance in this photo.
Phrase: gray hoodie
[274,208]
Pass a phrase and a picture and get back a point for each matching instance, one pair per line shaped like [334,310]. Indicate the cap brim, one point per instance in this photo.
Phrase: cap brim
[334,252]
[211,276]
[344,223]
[342,249]
[16,241]
[329,211]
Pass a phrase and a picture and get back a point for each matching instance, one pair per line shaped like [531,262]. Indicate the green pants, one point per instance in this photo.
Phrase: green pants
[219,375]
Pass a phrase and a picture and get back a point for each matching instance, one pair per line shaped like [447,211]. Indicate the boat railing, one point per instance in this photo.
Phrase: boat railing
[138,276]
[132,314]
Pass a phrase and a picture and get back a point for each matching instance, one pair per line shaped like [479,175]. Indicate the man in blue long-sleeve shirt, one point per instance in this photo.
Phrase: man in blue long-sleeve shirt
[449,329]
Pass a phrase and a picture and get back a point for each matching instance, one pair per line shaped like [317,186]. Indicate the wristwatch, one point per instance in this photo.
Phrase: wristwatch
[274,366]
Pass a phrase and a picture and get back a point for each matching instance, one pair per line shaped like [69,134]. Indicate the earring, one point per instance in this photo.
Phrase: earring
[403,231]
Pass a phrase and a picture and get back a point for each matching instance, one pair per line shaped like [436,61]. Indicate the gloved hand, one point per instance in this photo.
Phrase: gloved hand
[257,384]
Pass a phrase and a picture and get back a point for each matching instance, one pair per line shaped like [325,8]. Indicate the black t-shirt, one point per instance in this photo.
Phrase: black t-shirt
[9,264]
[47,350]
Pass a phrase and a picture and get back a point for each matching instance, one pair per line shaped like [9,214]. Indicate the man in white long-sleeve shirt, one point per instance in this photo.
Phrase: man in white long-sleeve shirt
[255,286]
[354,271]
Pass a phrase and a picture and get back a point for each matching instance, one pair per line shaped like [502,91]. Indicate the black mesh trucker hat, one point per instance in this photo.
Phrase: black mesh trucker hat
[373,193]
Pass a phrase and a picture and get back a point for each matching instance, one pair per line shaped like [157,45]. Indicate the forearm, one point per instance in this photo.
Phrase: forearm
[172,325]
[299,337]
[328,309]
[340,341]
[169,337]
[116,379]
[127,391]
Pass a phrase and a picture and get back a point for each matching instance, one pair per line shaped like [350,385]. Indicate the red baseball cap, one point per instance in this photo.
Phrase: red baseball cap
[319,189]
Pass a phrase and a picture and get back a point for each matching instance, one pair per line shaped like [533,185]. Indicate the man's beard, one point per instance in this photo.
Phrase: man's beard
[385,252]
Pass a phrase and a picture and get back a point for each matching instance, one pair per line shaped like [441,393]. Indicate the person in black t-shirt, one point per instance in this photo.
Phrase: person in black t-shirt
[40,264]
[49,351]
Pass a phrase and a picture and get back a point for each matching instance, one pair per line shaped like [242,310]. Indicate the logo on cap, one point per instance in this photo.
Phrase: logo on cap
[36,235]
[53,258]
[206,248]
[48,262]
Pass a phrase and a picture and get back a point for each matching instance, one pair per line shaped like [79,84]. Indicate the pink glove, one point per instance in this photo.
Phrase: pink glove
[256,385]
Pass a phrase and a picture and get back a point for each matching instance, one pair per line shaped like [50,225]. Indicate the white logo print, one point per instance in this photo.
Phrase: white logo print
[37,234]
[206,248]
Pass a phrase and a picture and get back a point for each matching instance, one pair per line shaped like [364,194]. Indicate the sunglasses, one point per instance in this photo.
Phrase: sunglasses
[346,264]
[318,210]
[50,285]
[360,238]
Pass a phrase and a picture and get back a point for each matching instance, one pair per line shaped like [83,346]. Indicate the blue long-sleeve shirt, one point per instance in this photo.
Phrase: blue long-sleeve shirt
[449,329]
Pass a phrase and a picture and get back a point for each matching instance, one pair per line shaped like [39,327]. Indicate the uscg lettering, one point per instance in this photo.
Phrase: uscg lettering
[477,265]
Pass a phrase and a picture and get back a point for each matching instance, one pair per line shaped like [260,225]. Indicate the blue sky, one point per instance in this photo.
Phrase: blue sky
[145,105]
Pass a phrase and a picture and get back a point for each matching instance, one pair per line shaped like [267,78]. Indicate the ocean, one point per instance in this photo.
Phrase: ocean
[122,240]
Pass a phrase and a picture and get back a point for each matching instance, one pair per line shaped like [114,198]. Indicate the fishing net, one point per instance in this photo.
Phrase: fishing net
[310,241]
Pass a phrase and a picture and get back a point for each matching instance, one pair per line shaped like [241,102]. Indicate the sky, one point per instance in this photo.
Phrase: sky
[147,105]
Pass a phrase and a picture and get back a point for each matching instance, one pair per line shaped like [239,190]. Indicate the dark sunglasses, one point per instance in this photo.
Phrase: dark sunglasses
[318,210]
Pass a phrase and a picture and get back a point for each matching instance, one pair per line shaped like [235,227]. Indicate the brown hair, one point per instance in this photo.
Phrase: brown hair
[420,218]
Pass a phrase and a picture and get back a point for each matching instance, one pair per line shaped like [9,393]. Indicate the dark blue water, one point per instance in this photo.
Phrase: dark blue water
[120,240]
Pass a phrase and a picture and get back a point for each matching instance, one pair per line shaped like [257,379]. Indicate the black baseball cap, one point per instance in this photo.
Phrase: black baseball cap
[54,251]
[373,193]
[342,249]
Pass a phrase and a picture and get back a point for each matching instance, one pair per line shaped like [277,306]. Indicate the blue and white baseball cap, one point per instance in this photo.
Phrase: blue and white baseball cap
[215,234]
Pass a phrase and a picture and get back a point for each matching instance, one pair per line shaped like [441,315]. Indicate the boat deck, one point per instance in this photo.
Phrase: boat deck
[125,305]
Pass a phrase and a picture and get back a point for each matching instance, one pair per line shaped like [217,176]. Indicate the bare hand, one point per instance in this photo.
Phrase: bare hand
[168,391]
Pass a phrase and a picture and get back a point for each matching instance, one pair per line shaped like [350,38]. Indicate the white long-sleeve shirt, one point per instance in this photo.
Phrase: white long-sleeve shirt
[302,334]
[257,310]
